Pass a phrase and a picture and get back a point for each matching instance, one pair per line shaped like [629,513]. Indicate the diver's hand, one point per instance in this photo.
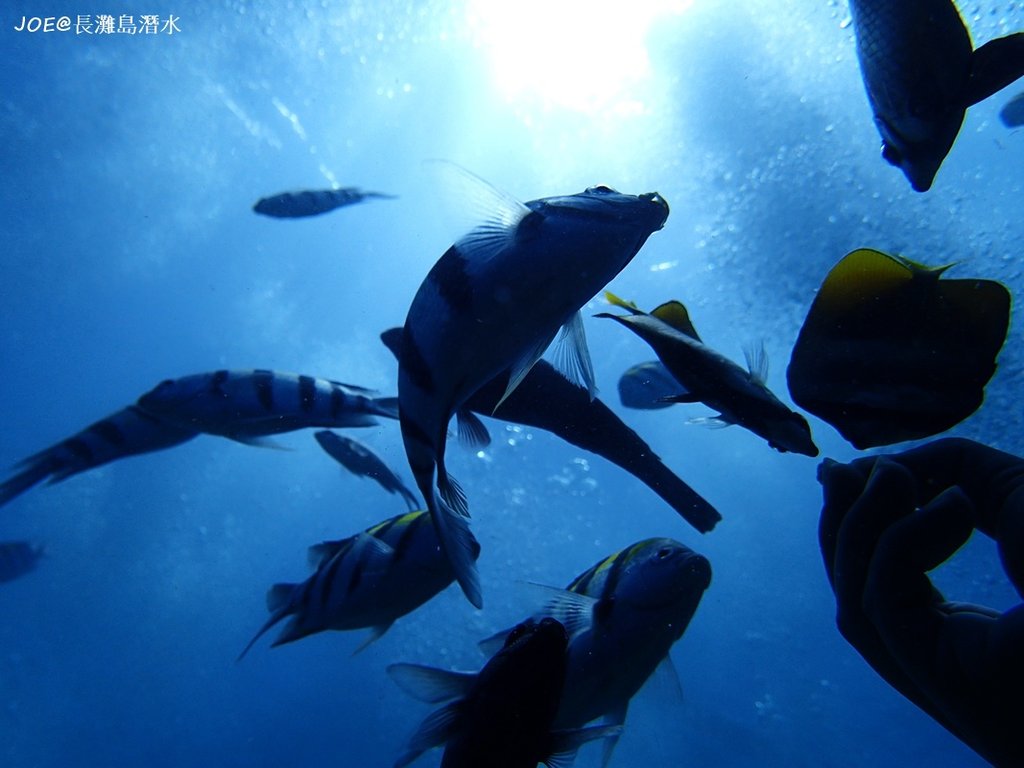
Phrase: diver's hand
[888,520]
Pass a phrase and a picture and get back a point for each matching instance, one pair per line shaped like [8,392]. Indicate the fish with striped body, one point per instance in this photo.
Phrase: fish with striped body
[128,432]
[360,460]
[502,716]
[367,580]
[921,73]
[741,396]
[18,558]
[494,302]
[312,202]
[547,400]
[249,405]
[623,615]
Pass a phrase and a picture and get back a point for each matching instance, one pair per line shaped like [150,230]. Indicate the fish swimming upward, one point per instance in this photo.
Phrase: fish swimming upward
[502,716]
[249,405]
[312,202]
[360,460]
[367,580]
[740,396]
[494,302]
[921,73]
[18,558]
[547,400]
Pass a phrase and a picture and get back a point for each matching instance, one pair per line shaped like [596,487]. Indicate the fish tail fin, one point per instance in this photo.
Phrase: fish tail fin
[386,407]
[32,475]
[458,543]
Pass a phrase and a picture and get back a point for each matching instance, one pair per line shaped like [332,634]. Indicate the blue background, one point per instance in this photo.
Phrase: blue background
[129,253]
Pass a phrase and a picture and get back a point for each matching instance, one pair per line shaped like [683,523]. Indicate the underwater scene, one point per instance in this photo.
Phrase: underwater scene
[493,384]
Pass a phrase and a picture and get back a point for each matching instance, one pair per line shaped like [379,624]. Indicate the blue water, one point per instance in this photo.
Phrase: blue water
[129,254]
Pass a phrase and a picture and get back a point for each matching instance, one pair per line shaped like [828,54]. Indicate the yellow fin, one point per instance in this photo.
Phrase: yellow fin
[859,276]
[673,313]
[614,300]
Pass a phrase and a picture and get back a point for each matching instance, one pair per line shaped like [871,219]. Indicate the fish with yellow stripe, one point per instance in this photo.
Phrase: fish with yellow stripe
[364,581]
[740,396]
[494,302]
[623,615]
[243,405]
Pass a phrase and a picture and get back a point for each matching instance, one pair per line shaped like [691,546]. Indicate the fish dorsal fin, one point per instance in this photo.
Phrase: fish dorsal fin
[674,314]
[318,554]
[860,275]
[392,339]
[615,301]
[430,684]
[472,432]
[487,216]
[572,357]
[994,66]
[757,362]
[522,367]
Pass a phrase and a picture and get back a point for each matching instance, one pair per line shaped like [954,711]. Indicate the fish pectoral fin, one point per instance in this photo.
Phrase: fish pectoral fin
[491,645]
[259,442]
[565,744]
[437,729]
[377,547]
[472,432]
[573,611]
[757,361]
[522,367]
[374,636]
[459,545]
[614,718]
[994,66]
[572,357]
[431,684]
[711,422]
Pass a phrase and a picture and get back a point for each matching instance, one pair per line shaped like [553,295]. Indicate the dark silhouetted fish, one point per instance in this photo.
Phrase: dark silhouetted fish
[890,352]
[249,405]
[545,399]
[494,302]
[360,460]
[312,202]
[128,432]
[647,386]
[922,73]
[18,558]
[367,580]
[1012,113]
[502,716]
[740,396]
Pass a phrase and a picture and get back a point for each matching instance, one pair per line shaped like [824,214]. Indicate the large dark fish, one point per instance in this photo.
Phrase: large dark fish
[890,352]
[741,396]
[1012,113]
[502,717]
[249,405]
[647,386]
[312,202]
[545,399]
[128,432]
[921,73]
[494,302]
[367,580]
[18,558]
[360,460]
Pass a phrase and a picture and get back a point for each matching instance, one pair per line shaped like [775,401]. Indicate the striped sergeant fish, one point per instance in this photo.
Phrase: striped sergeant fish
[547,400]
[502,718]
[312,202]
[367,580]
[740,395]
[360,460]
[128,432]
[18,558]
[623,615]
[248,405]
[494,302]
[921,73]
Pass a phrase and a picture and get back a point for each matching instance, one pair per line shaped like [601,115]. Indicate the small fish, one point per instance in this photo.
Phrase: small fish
[1012,113]
[741,396]
[312,202]
[249,405]
[18,558]
[360,460]
[367,580]
[891,352]
[921,73]
[128,432]
[502,716]
[646,386]
[494,302]
[547,400]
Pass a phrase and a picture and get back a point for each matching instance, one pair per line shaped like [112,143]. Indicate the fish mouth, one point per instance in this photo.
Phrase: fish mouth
[657,199]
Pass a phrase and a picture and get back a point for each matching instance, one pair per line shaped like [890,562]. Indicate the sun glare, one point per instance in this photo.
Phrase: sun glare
[580,55]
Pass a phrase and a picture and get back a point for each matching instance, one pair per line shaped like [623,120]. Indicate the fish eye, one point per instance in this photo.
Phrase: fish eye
[601,189]
[664,552]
